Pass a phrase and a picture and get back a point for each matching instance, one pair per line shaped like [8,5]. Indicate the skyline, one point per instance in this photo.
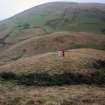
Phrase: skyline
[13,7]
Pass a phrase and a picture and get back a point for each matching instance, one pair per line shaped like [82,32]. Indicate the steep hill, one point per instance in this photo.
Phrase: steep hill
[51,17]
[34,31]
[52,42]
[32,72]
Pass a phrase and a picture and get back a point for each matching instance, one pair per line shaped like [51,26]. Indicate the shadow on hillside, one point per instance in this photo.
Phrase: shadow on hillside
[44,79]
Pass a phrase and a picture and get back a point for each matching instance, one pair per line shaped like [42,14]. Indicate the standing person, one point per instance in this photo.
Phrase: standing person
[61,53]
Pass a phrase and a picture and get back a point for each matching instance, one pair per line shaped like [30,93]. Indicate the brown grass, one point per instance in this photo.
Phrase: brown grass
[52,42]
[64,95]
[25,34]
[78,60]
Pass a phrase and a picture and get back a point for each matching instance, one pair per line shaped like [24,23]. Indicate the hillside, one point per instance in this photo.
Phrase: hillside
[53,42]
[74,60]
[51,17]
[79,66]
[32,71]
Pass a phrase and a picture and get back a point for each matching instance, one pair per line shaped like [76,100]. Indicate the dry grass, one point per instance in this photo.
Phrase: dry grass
[52,42]
[21,58]
[75,61]
[25,34]
[64,95]
[78,60]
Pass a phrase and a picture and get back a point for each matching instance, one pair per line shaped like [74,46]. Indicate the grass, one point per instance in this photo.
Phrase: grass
[89,45]
[44,79]
[70,88]
[53,20]
[23,26]
[75,60]
[52,42]
[64,95]
[85,21]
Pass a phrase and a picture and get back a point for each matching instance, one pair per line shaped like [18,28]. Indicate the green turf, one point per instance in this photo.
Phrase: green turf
[54,18]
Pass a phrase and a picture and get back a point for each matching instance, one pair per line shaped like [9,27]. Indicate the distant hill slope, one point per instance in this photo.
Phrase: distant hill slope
[45,28]
[53,42]
[57,16]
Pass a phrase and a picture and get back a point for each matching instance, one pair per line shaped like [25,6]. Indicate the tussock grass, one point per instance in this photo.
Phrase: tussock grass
[44,79]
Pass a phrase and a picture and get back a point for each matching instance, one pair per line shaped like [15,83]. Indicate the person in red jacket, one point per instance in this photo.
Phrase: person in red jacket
[61,53]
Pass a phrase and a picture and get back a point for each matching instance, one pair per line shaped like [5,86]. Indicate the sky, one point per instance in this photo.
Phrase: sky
[9,8]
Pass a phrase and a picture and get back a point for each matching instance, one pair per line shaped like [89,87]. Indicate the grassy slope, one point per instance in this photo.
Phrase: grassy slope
[57,17]
[52,17]
[79,60]
[65,16]
[52,42]
[80,66]
[23,42]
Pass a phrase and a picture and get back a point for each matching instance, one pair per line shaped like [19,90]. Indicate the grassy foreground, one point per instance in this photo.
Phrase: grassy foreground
[63,95]
[47,79]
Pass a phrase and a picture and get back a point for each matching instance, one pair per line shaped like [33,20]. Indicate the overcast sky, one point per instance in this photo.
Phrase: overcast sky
[9,8]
